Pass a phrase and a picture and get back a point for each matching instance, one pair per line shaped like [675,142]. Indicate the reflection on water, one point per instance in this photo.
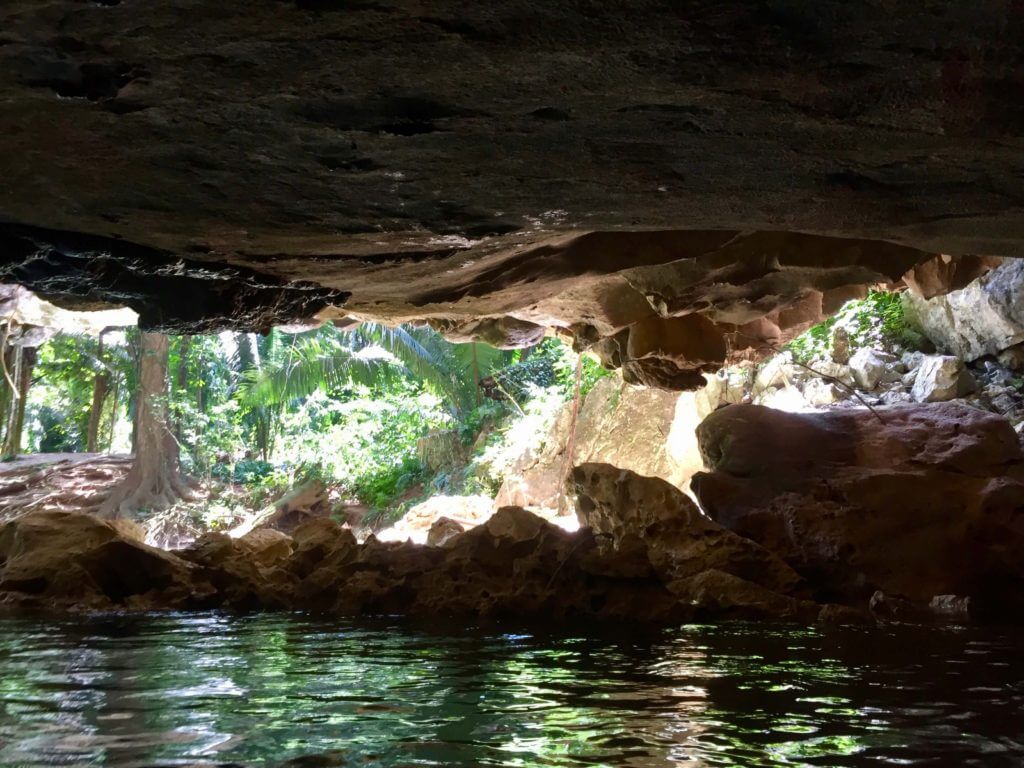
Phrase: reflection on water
[205,689]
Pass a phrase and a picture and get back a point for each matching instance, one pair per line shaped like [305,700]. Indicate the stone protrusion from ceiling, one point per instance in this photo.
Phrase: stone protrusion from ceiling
[632,176]
[169,293]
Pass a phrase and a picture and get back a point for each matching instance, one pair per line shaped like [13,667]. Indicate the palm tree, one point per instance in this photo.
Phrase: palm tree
[370,354]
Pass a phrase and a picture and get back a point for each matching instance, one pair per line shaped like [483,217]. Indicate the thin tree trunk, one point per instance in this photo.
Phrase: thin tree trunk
[114,392]
[100,387]
[6,393]
[476,375]
[570,442]
[154,482]
[25,360]
[181,380]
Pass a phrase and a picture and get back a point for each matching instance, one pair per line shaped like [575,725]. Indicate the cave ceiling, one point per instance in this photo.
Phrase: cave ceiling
[657,180]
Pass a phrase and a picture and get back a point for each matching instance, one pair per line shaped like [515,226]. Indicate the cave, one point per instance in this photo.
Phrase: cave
[669,357]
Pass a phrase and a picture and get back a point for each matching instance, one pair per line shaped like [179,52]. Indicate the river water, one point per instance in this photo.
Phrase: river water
[209,689]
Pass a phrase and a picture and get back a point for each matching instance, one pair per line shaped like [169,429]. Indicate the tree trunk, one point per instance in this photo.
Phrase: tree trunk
[100,387]
[570,442]
[181,380]
[113,413]
[25,360]
[154,482]
[476,375]
[6,393]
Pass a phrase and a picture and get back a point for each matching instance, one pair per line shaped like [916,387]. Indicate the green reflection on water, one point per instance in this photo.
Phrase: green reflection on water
[262,690]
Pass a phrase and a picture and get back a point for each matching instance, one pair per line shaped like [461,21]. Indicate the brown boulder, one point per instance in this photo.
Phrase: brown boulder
[443,530]
[268,546]
[67,558]
[241,571]
[916,501]
[724,595]
[681,542]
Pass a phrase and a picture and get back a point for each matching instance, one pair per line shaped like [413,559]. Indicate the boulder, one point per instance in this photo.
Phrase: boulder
[648,431]
[268,547]
[65,558]
[681,542]
[443,530]
[725,387]
[941,377]
[1013,358]
[984,318]
[870,367]
[839,342]
[916,501]
[416,524]
[777,372]
[822,392]
[830,370]
[240,570]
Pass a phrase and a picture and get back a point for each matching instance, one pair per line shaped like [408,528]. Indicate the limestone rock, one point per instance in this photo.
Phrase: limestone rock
[681,542]
[415,525]
[777,372]
[429,167]
[916,500]
[443,530]
[869,367]
[1013,358]
[912,360]
[896,396]
[719,594]
[939,378]
[837,371]
[725,387]
[839,342]
[944,273]
[647,431]
[984,318]
[268,547]
[822,392]
[62,559]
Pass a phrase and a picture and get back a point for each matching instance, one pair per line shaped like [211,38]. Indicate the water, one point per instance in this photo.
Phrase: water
[206,689]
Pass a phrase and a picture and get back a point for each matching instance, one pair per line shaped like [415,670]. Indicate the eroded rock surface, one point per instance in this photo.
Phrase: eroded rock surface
[647,431]
[982,318]
[514,565]
[916,501]
[704,564]
[665,182]
[77,560]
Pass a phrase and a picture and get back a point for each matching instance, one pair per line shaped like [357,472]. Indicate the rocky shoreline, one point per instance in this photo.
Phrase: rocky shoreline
[912,513]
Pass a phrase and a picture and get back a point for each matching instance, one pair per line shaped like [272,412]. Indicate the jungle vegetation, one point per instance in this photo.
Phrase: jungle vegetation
[351,407]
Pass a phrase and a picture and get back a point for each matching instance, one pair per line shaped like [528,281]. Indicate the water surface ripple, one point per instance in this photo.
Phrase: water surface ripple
[270,690]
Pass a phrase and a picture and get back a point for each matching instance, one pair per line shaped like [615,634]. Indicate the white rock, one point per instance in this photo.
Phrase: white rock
[822,392]
[982,319]
[896,397]
[828,369]
[725,387]
[869,366]
[777,372]
[941,377]
[912,360]
[785,399]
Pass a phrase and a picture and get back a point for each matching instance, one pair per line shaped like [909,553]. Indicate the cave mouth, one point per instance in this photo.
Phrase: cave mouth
[525,539]
[502,508]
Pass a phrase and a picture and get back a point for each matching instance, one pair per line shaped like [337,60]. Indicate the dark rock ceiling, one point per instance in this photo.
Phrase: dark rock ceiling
[495,167]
